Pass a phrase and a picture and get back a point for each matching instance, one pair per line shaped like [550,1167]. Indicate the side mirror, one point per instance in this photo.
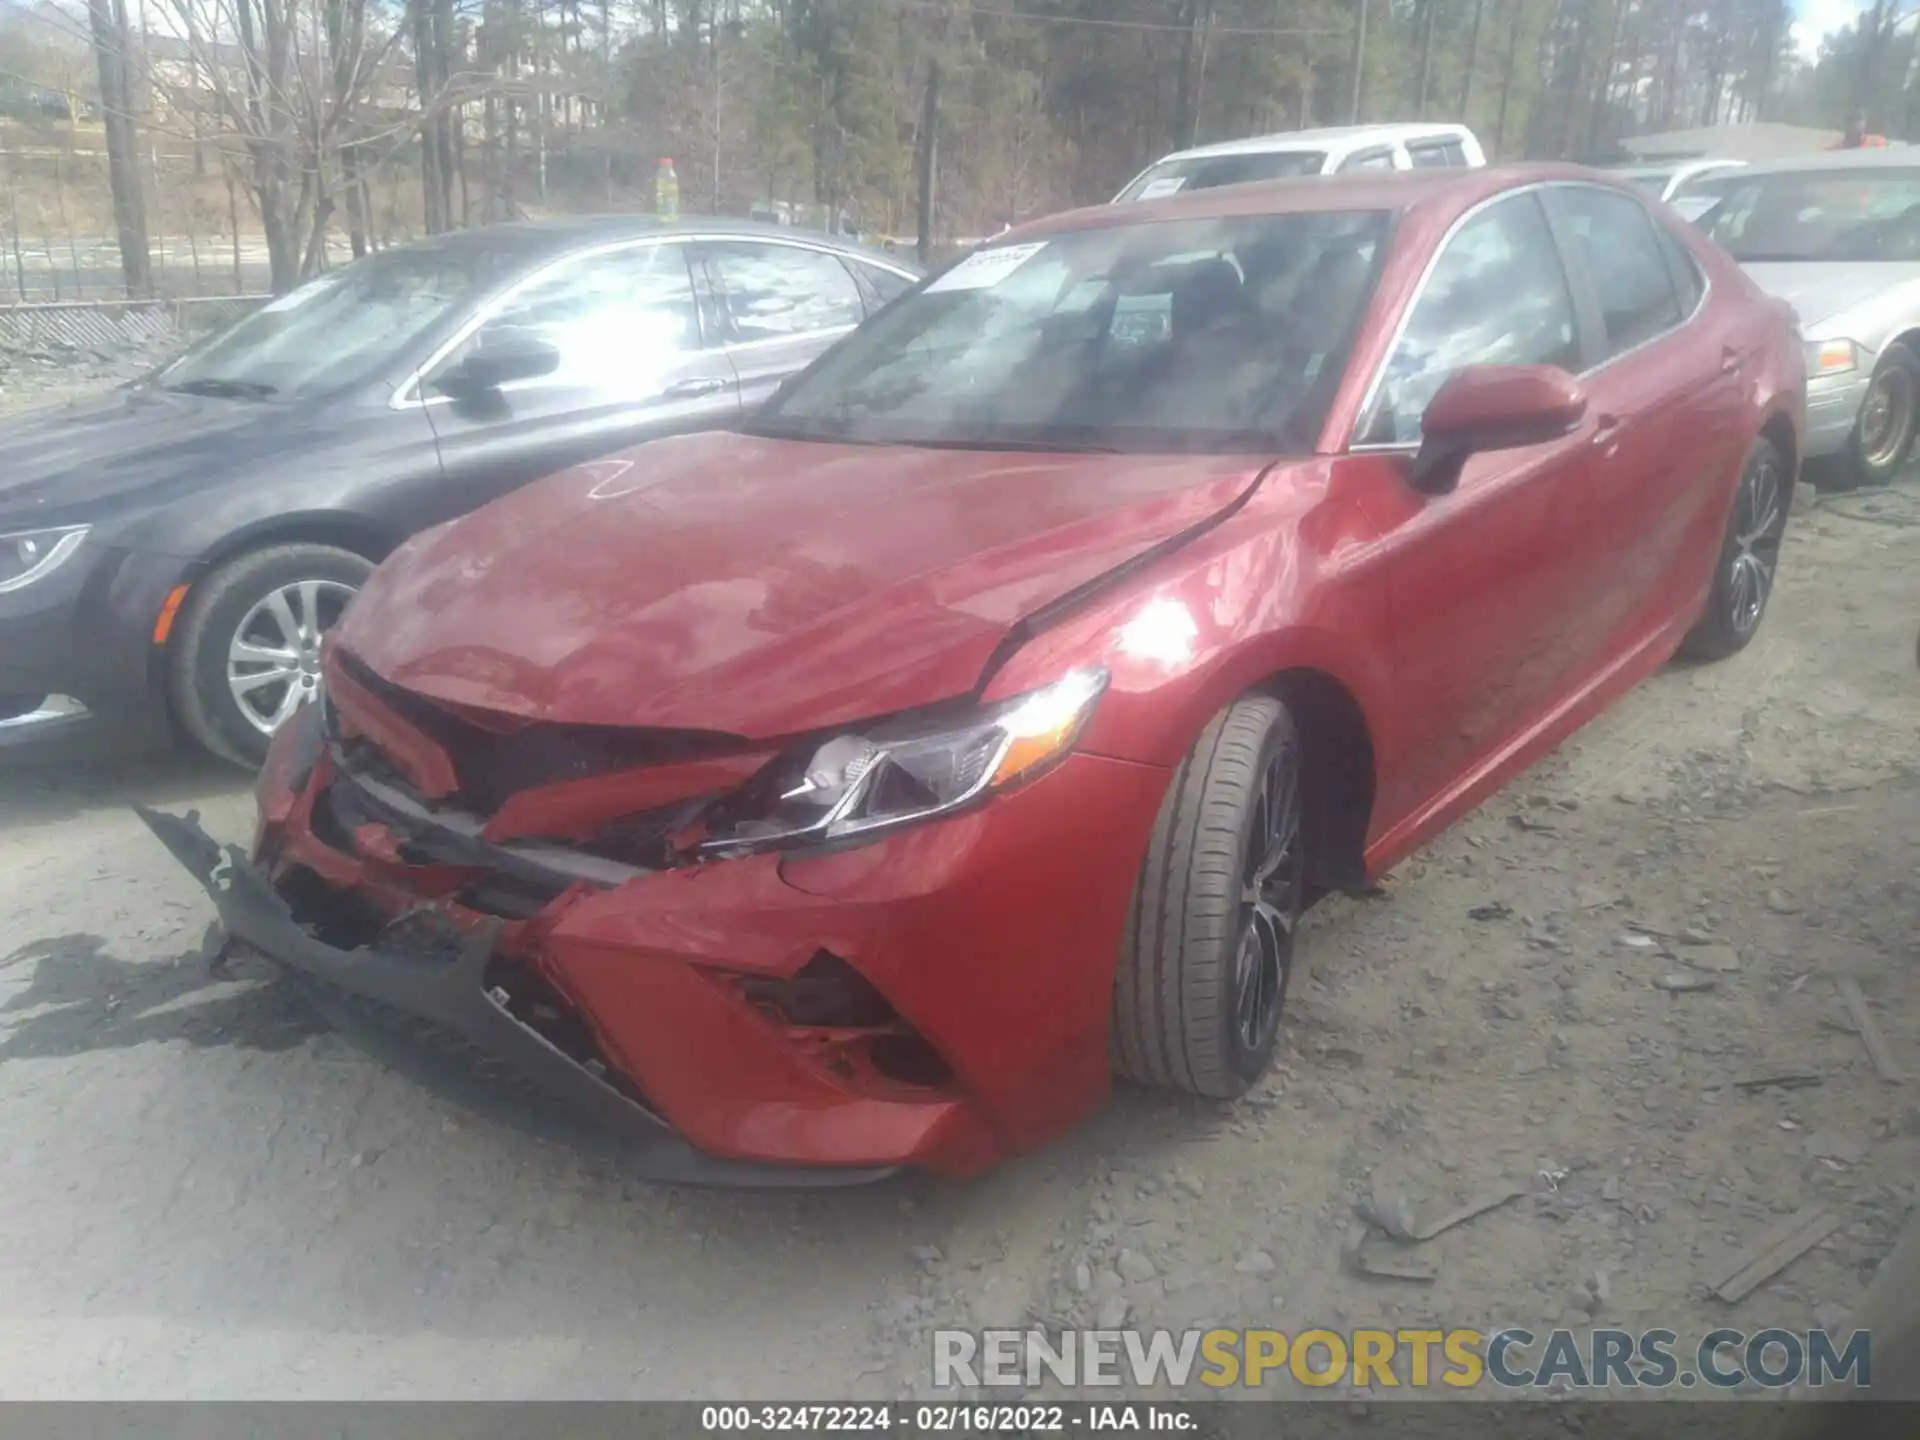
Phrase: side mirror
[1492,407]
[486,370]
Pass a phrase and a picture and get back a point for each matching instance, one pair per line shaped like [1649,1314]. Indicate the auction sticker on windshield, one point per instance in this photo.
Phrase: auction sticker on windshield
[985,269]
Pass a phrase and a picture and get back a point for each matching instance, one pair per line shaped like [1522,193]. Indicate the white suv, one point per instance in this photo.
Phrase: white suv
[1308,152]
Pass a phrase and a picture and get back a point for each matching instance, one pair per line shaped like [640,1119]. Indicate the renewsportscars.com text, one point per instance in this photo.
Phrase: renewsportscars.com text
[1510,1358]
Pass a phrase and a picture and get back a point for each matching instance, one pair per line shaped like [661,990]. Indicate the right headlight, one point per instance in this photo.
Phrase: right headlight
[30,555]
[898,772]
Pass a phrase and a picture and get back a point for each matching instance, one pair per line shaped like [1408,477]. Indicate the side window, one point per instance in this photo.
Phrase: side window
[775,291]
[1369,160]
[1436,155]
[1497,296]
[1616,238]
[1686,272]
[616,318]
[887,285]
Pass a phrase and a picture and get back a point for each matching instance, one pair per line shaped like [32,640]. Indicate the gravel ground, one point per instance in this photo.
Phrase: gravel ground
[209,1195]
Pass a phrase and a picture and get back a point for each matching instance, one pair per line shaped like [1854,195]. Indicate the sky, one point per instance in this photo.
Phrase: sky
[1815,18]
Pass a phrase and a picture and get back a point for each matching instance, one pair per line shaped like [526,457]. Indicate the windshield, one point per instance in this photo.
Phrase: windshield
[1856,213]
[336,329]
[1208,171]
[1221,335]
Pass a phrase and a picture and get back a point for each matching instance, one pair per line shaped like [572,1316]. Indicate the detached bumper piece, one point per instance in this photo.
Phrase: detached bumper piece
[439,1003]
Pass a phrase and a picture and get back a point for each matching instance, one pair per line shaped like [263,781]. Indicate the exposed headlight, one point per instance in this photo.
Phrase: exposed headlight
[27,555]
[897,773]
[1831,357]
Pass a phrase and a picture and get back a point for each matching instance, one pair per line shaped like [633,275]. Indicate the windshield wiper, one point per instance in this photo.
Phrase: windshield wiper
[225,389]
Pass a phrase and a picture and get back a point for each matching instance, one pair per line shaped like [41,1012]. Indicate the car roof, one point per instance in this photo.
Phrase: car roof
[1888,157]
[534,239]
[1337,137]
[1398,191]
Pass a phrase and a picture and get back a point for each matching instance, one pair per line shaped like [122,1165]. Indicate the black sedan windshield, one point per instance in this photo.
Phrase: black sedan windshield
[334,330]
[1852,213]
[1191,335]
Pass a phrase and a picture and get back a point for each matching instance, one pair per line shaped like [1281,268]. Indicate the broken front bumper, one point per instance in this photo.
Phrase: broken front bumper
[392,990]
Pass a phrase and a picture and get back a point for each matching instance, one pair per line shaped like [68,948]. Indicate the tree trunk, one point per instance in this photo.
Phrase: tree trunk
[1358,65]
[111,45]
[1473,58]
[929,158]
[1517,13]
[1426,57]
[1186,104]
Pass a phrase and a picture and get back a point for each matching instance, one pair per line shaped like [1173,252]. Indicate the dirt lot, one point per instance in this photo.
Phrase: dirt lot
[205,1194]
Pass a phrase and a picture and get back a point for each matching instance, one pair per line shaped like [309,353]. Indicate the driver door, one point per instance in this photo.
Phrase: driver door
[636,362]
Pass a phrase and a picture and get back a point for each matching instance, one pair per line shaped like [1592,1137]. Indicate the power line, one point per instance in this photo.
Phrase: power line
[951,7]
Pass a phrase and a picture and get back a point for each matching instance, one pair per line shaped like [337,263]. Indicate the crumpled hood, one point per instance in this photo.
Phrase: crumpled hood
[1825,291]
[64,463]
[760,587]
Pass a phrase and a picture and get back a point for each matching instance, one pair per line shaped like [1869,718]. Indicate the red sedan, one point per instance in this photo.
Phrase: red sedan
[866,788]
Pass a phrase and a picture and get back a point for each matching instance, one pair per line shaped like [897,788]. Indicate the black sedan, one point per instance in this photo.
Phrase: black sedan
[171,552]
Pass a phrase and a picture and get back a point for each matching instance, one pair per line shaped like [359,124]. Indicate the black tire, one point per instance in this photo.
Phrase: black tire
[1185,1015]
[1749,558]
[224,608]
[1882,439]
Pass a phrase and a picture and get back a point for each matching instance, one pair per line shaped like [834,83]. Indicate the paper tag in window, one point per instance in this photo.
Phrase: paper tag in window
[294,299]
[984,269]
[1159,189]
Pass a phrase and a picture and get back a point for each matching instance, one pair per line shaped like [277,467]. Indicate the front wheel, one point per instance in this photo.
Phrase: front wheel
[1883,433]
[1208,951]
[1749,557]
[247,648]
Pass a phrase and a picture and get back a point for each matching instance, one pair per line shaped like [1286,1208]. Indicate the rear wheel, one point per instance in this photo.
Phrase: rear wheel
[1208,953]
[246,652]
[1749,557]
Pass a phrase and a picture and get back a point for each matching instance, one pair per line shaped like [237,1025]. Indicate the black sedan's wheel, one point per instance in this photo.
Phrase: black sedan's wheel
[1889,419]
[1749,557]
[1209,947]
[246,651]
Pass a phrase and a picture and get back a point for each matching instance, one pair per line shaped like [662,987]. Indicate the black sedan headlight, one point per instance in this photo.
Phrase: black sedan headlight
[897,773]
[30,555]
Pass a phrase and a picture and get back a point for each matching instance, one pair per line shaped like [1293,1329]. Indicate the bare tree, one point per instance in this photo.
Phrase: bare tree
[112,44]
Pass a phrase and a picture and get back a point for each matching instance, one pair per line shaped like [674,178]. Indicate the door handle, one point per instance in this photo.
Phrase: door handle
[1606,429]
[1729,361]
[697,386]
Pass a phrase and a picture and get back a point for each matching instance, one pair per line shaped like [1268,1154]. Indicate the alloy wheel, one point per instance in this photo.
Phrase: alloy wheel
[1759,523]
[273,662]
[1270,902]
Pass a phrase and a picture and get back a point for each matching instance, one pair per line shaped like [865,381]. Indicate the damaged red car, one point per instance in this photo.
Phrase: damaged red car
[866,788]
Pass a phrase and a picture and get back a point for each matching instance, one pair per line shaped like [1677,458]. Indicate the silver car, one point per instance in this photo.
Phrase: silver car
[1838,235]
[1675,177]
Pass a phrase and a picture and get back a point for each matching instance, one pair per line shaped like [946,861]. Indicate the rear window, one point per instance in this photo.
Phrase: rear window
[1209,171]
[1438,155]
